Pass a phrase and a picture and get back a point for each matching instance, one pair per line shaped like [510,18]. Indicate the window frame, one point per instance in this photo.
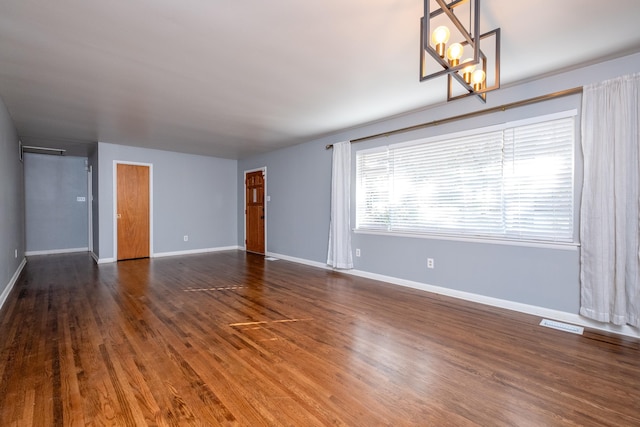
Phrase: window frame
[464,236]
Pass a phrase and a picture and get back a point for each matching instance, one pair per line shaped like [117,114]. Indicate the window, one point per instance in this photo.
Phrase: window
[513,181]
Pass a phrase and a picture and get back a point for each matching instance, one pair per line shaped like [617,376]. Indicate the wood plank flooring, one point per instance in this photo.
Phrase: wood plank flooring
[230,338]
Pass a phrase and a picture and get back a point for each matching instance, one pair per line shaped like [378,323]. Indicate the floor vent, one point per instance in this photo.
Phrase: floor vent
[562,326]
[270,258]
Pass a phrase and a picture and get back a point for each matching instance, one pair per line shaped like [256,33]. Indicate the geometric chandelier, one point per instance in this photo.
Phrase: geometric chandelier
[451,45]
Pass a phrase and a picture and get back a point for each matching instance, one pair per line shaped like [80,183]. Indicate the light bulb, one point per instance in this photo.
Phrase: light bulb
[466,71]
[477,78]
[454,53]
[440,37]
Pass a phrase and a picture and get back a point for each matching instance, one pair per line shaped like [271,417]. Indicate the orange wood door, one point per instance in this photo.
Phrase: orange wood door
[133,211]
[254,211]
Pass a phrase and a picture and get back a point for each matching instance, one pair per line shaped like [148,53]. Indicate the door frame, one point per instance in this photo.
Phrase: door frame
[90,207]
[115,204]
[244,205]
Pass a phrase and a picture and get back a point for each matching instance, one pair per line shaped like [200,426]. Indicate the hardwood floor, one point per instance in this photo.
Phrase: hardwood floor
[232,339]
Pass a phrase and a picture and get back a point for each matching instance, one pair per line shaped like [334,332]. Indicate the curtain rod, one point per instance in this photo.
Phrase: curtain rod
[503,107]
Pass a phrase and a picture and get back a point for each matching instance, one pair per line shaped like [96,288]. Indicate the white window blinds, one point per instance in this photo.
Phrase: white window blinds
[511,182]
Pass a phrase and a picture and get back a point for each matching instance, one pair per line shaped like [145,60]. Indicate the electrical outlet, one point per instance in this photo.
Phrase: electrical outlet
[15,253]
[186,238]
[357,252]
[430,263]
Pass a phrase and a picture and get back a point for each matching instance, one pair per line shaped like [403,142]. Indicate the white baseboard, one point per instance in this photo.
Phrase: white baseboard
[194,251]
[95,257]
[562,316]
[169,254]
[300,260]
[56,251]
[12,282]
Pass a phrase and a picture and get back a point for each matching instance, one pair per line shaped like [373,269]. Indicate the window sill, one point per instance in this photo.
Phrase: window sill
[471,239]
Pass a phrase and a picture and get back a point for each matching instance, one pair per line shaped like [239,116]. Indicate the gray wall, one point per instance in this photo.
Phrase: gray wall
[298,213]
[298,183]
[192,195]
[11,201]
[55,220]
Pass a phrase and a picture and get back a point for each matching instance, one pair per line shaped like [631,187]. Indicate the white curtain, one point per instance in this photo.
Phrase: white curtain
[340,226]
[609,224]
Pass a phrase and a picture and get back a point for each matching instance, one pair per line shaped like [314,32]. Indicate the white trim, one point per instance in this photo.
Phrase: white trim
[300,261]
[90,207]
[56,251]
[195,251]
[244,206]
[562,316]
[115,204]
[494,232]
[12,282]
[170,254]
[471,239]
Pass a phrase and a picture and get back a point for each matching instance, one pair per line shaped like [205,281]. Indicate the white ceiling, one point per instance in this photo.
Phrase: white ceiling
[234,78]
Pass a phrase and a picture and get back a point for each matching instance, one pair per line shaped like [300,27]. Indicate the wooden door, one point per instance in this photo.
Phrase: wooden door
[132,211]
[254,211]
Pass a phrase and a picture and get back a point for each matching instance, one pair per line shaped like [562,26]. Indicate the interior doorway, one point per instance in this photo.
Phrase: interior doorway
[255,210]
[133,211]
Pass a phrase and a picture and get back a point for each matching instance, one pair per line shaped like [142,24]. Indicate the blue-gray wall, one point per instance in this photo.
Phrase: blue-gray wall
[55,219]
[298,183]
[11,202]
[192,195]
